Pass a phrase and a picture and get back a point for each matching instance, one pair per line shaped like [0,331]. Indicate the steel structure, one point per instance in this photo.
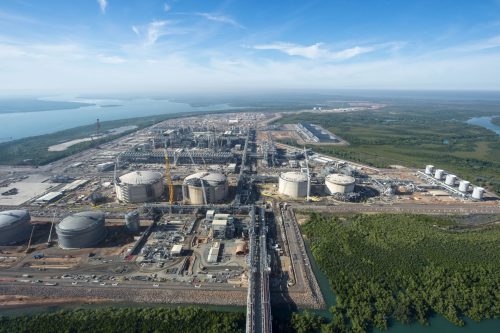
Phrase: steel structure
[182,157]
[259,319]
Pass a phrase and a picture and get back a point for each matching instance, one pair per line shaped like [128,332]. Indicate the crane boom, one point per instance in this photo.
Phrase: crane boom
[169,179]
[308,176]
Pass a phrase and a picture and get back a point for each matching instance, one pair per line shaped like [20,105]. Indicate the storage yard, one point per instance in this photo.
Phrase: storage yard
[171,213]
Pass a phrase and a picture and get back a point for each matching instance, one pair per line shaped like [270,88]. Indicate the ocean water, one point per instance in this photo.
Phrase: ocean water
[17,125]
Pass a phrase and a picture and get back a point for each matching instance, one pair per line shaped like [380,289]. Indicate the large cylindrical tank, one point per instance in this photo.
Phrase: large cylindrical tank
[478,193]
[450,180]
[133,222]
[293,184]
[139,186]
[15,226]
[429,169]
[210,185]
[463,186]
[439,174]
[338,183]
[81,230]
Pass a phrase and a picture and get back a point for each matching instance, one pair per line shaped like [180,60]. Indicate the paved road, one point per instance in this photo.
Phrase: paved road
[404,208]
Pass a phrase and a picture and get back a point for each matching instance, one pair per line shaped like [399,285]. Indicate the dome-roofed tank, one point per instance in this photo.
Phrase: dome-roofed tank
[339,183]
[293,184]
[80,230]
[210,185]
[139,186]
[429,169]
[15,226]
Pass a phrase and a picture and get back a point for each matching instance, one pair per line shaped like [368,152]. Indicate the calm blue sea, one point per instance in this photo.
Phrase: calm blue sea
[18,125]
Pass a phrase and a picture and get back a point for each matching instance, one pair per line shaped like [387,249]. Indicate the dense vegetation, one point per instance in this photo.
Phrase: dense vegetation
[33,150]
[123,320]
[415,135]
[388,267]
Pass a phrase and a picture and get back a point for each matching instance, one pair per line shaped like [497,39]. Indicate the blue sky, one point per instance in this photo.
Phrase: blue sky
[106,46]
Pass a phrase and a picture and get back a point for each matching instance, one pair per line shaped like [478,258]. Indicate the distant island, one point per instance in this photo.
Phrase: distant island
[14,105]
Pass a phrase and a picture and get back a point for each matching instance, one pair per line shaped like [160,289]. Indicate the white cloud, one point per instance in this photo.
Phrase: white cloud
[110,59]
[155,30]
[103,4]
[220,19]
[316,51]
[167,7]
[311,52]
[485,44]
[136,30]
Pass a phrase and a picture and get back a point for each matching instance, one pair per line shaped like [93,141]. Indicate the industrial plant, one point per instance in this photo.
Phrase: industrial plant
[200,210]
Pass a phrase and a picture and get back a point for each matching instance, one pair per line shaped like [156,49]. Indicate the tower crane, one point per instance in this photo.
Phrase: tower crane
[308,176]
[169,179]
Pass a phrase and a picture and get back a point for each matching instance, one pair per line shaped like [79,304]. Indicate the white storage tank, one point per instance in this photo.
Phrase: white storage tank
[293,184]
[139,186]
[439,174]
[133,222]
[15,227]
[450,180]
[210,185]
[429,169]
[478,193]
[81,230]
[464,186]
[338,183]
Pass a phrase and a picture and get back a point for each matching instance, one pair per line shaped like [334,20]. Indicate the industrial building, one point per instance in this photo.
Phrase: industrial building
[339,183]
[81,230]
[213,254]
[219,228]
[293,184]
[139,186]
[176,250]
[205,188]
[15,226]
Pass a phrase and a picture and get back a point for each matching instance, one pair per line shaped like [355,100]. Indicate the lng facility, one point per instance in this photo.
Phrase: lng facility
[202,209]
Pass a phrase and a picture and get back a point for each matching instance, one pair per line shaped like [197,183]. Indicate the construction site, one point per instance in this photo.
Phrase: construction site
[197,210]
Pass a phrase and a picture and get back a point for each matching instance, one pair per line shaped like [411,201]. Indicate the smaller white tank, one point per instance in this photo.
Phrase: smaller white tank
[132,222]
[477,193]
[429,169]
[450,180]
[439,174]
[464,186]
